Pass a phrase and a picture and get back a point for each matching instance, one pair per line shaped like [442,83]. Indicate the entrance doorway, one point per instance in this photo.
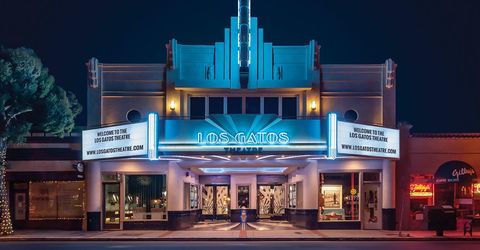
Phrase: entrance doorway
[216,202]
[372,213]
[111,206]
[271,201]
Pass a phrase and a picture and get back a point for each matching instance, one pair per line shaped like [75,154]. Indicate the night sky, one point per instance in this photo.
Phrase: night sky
[436,43]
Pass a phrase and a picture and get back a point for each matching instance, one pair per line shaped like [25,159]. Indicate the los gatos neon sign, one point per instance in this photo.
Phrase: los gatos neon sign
[240,138]
[242,142]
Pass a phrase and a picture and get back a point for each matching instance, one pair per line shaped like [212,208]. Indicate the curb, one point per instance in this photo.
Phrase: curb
[6,239]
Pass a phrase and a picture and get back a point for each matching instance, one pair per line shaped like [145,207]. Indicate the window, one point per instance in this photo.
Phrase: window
[193,197]
[234,105]
[292,195]
[371,176]
[134,116]
[339,197]
[190,196]
[252,105]
[56,200]
[270,105]
[243,196]
[215,105]
[145,197]
[197,107]
[289,107]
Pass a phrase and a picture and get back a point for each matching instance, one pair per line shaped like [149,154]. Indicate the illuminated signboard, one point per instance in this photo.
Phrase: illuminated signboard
[116,141]
[421,190]
[358,139]
[242,134]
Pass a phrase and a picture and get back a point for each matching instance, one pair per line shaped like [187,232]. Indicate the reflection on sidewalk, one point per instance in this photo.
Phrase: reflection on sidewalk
[263,225]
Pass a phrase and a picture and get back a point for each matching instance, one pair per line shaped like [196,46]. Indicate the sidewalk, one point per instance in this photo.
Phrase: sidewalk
[235,235]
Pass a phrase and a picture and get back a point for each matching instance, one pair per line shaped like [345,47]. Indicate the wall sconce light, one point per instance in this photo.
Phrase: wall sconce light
[172,105]
[313,105]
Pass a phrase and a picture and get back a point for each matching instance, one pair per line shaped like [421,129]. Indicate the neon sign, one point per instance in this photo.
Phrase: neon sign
[421,190]
[241,138]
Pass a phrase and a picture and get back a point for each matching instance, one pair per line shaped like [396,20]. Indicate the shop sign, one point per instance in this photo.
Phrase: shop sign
[358,139]
[421,190]
[116,141]
[455,172]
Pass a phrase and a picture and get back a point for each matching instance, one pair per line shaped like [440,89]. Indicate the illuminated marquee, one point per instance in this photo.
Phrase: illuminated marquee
[241,138]
[421,190]
[241,134]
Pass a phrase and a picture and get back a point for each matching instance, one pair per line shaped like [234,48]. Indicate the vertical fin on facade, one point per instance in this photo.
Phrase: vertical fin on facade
[92,66]
[244,41]
[390,68]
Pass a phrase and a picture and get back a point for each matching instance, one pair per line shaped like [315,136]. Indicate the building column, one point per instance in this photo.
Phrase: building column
[94,196]
[388,195]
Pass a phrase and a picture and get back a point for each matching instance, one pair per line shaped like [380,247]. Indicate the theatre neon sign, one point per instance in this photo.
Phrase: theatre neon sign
[241,138]
[421,190]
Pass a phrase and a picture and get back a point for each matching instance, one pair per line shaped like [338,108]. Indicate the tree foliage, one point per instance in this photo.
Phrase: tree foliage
[30,99]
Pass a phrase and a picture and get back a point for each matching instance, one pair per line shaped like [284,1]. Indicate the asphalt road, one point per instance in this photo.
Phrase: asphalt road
[330,245]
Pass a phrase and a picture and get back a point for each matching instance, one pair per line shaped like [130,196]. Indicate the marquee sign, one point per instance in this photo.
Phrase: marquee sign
[241,134]
[117,141]
[359,139]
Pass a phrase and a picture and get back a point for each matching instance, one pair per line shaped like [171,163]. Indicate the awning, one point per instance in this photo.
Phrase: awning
[455,172]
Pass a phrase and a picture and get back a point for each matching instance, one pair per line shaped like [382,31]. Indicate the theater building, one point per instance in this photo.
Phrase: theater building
[240,124]
[438,169]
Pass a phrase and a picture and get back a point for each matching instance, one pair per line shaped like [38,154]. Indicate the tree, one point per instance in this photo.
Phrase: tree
[29,101]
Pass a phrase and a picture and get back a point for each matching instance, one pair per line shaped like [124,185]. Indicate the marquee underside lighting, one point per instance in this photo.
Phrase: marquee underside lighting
[270,170]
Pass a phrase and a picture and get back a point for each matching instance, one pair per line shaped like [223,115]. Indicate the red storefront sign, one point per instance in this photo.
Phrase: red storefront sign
[421,190]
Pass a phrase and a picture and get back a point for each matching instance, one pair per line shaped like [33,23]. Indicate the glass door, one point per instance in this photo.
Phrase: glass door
[207,201]
[215,201]
[111,206]
[271,201]
[222,201]
[372,206]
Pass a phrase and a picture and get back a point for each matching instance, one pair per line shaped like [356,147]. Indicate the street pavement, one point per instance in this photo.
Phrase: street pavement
[229,231]
[212,245]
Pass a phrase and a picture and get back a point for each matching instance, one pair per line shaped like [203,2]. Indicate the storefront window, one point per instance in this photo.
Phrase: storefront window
[421,195]
[56,200]
[145,197]
[70,200]
[339,197]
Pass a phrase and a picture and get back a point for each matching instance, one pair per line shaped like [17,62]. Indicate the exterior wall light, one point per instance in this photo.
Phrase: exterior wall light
[313,105]
[172,105]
